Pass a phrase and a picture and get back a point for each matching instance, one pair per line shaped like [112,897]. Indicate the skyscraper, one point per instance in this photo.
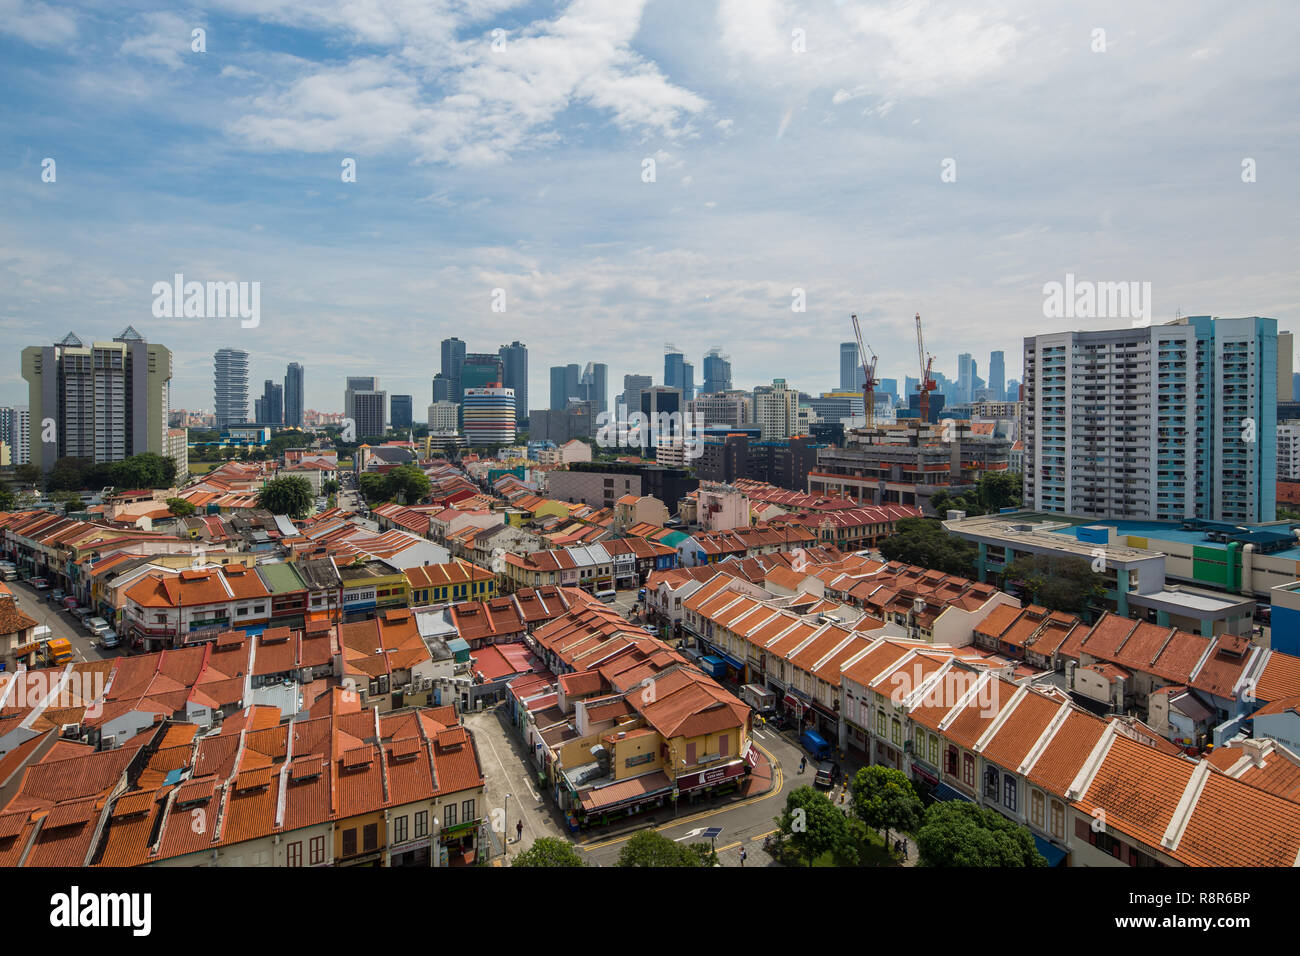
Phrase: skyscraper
[674,373]
[357,383]
[997,375]
[271,411]
[633,386]
[453,359]
[965,378]
[442,390]
[593,387]
[852,377]
[293,395]
[489,415]
[400,409]
[717,373]
[369,412]
[230,389]
[1164,422]
[688,381]
[514,361]
[106,401]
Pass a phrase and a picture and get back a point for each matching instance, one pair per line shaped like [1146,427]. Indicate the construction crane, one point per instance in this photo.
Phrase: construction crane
[928,384]
[870,383]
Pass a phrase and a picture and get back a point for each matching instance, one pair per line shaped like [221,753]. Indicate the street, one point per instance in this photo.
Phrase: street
[60,622]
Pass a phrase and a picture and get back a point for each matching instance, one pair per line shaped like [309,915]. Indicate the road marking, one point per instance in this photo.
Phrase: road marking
[729,846]
[763,836]
[778,781]
[501,763]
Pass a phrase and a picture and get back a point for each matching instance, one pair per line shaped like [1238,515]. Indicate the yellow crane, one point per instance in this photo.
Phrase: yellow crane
[869,385]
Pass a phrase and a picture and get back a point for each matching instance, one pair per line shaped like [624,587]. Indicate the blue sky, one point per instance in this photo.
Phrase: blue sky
[521,169]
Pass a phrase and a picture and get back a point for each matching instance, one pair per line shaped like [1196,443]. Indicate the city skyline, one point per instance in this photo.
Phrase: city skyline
[250,188]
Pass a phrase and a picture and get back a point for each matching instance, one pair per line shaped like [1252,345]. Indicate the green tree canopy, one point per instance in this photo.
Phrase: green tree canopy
[957,833]
[407,484]
[649,848]
[145,470]
[6,496]
[815,826]
[923,542]
[28,474]
[1058,583]
[884,799]
[329,486]
[180,507]
[287,495]
[549,851]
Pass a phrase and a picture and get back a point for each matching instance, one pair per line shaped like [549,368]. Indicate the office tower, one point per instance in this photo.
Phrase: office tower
[1164,422]
[105,401]
[675,370]
[997,376]
[453,359]
[293,395]
[15,432]
[442,389]
[852,375]
[357,383]
[688,381]
[593,387]
[1285,356]
[633,386]
[480,370]
[400,409]
[1013,390]
[573,382]
[910,385]
[369,412]
[776,410]
[558,397]
[489,415]
[717,373]
[514,361]
[965,378]
[271,407]
[889,386]
[662,407]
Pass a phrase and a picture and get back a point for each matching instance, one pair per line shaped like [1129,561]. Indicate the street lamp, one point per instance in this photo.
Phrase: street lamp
[505,836]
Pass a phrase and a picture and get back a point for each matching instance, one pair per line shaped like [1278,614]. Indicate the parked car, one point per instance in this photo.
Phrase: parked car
[57,595]
[109,640]
[96,626]
[69,603]
[81,613]
[823,777]
[39,584]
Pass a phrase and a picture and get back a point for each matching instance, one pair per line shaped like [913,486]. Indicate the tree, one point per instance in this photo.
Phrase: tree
[923,542]
[815,826]
[1058,583]
[146,470]
[70,500]
[957,833]
[28,474]
[649,848]
[549,851]
[329,487]
[373,488]
[287,495]
[180,507]
[6,496]
[884,799]
[407,483]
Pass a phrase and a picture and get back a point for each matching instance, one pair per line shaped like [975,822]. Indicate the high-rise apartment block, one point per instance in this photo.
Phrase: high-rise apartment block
[776,410]
[230,387]
[104,402]
[1161,422]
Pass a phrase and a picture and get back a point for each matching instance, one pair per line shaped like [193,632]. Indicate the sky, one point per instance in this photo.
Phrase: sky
[879,158]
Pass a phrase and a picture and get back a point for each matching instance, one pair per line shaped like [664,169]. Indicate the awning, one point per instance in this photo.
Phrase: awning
[1051,852]
[945,792]
[625,791]
[705,778]
[924,774]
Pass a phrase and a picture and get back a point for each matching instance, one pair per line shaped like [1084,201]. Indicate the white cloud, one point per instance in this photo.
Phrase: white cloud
[167,41]
[36,23]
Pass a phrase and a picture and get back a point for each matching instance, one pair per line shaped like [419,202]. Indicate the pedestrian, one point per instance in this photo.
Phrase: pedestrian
[904,849]
[803,762]
[519,831]
[743,854]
